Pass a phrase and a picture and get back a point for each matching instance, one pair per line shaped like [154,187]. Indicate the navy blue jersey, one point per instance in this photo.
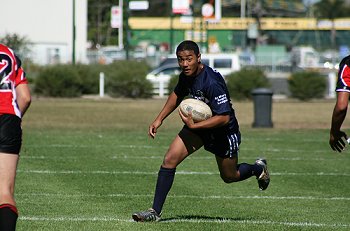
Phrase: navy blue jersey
[210,87]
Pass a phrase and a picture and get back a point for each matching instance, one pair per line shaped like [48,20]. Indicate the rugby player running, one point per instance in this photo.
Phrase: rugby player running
[219,134]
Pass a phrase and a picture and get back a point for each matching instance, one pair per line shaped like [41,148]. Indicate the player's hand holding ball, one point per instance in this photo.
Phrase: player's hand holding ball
[192,111]
[187,119]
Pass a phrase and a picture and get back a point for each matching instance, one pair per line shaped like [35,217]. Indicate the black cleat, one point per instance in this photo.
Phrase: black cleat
[264,178]
[148,215]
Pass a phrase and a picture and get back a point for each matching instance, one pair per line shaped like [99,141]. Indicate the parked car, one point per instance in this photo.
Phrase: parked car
[224,63]
[160,76]
[109,54]
[164,72]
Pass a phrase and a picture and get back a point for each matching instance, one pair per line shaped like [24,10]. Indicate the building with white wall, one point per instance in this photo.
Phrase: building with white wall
[48,25]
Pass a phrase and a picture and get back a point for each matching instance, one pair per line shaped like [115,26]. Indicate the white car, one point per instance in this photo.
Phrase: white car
[109,54]
[160,76]
[165,72]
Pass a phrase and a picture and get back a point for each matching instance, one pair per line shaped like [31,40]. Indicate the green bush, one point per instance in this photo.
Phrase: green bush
[122,79]
[89,76]
[241,83]
[32,70]
[307,85]
[128,79]
[58,81]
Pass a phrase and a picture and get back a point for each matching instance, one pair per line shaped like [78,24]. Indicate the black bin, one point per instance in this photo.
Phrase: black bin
[262,98]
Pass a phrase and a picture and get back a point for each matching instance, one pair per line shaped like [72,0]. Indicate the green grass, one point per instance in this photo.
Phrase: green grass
[88,164]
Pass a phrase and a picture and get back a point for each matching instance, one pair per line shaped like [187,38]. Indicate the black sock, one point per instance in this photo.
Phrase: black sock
[257,170]
[164,183]
[8,217]
[248,170]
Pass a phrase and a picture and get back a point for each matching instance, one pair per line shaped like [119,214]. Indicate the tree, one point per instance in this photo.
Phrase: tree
[99,15]
[19,44]
[331,9]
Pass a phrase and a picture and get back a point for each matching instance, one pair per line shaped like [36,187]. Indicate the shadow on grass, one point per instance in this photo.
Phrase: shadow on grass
[195,218]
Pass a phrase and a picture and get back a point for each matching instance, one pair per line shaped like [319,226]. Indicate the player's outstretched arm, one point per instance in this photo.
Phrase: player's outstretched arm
[336,139]
[170,105]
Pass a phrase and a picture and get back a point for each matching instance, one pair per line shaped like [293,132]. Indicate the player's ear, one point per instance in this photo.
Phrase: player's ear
[199,58]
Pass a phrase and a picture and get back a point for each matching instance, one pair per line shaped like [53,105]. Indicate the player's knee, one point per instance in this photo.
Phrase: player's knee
[229,179]
[169,162]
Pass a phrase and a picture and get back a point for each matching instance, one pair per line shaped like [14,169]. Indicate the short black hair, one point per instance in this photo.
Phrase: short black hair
[189,46]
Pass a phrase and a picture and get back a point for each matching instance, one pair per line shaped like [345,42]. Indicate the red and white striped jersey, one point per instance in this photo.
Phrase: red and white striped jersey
[11,75]
[343,83]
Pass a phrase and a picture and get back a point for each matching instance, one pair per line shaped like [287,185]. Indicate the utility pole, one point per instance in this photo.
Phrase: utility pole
[127,29]
[243,16]
[171,44]
[243,3]
[73,42]
[120,29]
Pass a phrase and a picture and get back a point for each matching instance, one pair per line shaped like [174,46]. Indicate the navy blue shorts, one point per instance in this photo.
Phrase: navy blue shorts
[217,141]
[10,134]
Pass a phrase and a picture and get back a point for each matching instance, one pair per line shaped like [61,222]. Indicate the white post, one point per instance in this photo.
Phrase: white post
[331,84]
[161,87]
[120,29]
[243,2]
[102,84]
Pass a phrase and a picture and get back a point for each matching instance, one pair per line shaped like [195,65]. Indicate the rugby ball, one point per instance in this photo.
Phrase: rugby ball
[200,110]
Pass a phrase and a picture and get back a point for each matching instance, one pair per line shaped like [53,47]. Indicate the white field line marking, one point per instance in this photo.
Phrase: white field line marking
[175,220]
[133,146]
[185,196]
[193,157]
[30,218]
[225,220]
[212,157]
[178,173]
[92,146]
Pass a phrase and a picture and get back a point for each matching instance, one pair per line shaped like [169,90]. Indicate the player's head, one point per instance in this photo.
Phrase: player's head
[188,45]
[188,57]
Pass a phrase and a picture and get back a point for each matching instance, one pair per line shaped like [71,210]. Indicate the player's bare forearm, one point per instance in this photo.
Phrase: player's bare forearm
[213,122]
[23,97]
[336,136]
[337,121]
[339,112]
[169,107]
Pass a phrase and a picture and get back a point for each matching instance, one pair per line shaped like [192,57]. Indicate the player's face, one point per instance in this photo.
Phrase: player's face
[188,62]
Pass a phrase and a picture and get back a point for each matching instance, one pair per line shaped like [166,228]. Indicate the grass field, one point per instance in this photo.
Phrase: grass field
[88,164]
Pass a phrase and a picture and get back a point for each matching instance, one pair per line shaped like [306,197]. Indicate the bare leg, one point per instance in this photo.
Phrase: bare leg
[228,169]
[8,166]
[8,210]
[179,150]
[176,153]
